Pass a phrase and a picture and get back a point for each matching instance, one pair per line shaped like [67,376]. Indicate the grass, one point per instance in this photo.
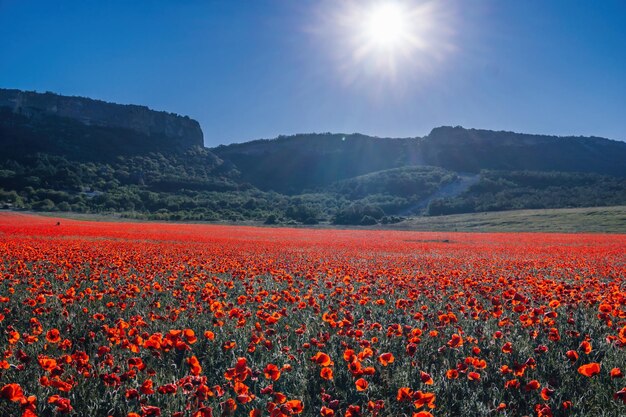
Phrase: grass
[574,220]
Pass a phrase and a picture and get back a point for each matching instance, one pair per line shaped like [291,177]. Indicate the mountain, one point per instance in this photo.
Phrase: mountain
[76,154]
[89,129]
[291,164]
[473,150]
[296,163]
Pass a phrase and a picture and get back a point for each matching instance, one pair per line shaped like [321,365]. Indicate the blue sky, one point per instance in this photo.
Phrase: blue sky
[259,68]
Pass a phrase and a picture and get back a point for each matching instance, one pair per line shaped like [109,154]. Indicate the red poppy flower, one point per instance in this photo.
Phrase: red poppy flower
[455,341]
[326,373]
[327,412]
[361,384]
[12,392]
[572,355]
[348,355]
[532,385]
[353,411]
[404,394]
[589,369]
[421,399]
[295,406]
[426,378]
[63,404]
[47,364]
[272,372]
[513,383]
[321,358]
[546,393]
[386,358]
[194,365]
[473,376]
[53,336]
[585,347]
[146,387]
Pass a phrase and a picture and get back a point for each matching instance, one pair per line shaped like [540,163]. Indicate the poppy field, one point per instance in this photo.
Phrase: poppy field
[148,319]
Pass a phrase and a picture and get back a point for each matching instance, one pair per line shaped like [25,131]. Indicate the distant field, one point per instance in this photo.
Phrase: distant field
[575,220]
[593,219]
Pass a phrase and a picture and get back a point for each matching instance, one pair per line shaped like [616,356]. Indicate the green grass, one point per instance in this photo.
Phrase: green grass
[575,220]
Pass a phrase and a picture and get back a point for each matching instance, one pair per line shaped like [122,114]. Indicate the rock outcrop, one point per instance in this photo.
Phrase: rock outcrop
[183,131]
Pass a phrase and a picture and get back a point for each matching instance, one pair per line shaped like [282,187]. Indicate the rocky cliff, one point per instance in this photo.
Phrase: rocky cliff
[183,131]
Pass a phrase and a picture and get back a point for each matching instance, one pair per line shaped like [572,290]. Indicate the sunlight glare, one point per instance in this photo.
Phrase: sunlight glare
[386,25]
[390,42]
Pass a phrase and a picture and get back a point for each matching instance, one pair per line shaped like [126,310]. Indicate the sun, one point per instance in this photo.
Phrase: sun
[397,42]
[385,25]
[386,34]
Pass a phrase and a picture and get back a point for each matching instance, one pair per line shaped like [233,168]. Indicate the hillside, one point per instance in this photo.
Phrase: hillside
[82,155]
[292,164]
[295,163]
[514,190]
